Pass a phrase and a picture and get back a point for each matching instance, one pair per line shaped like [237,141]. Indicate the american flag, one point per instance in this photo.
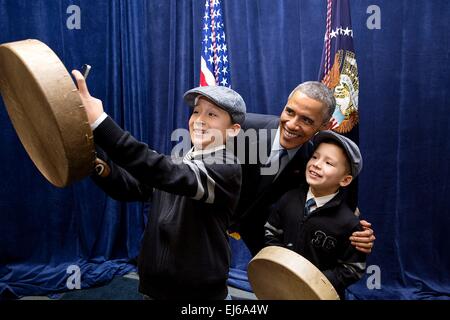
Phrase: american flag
[215,70]
[215,66]
[339,70]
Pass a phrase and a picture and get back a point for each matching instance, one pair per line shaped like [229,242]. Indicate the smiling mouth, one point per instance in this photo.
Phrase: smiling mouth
[199,132]
[289,134]
[314,174]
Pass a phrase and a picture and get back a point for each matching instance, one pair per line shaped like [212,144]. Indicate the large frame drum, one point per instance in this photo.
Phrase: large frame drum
[277,273]
[46,111]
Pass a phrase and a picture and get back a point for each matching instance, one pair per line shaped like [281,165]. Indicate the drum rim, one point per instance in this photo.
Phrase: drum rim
[75,166]
[295,264]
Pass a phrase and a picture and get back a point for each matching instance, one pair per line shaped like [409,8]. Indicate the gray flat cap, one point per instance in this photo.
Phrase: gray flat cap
[224,97]
[351,149]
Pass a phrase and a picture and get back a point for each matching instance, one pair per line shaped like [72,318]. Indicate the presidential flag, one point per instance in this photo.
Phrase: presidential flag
[215,66]
[339,70]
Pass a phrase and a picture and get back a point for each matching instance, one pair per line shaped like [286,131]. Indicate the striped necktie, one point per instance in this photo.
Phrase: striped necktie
[309,204]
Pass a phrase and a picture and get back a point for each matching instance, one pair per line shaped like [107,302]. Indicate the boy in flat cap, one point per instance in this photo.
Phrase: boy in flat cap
[185,252]
[314,221]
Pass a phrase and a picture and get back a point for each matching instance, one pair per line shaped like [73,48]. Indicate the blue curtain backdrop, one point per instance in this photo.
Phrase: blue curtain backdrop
[146,53]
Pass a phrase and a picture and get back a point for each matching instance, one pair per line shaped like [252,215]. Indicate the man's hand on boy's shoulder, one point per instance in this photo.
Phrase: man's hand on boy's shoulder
[363,240]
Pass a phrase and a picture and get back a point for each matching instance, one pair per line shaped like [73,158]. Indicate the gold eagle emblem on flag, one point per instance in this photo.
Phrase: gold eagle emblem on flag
[343,80]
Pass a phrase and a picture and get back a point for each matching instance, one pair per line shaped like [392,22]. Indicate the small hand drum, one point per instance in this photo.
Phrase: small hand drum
[277,273]
[46,111]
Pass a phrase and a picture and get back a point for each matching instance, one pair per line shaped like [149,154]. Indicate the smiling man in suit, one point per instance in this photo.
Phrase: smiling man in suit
[281,147]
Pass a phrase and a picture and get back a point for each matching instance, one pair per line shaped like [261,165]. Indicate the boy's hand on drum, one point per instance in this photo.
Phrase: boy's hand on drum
[93,106]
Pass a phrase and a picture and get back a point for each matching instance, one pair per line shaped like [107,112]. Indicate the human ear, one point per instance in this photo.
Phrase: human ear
[346,180]
[233,131]
[326,126]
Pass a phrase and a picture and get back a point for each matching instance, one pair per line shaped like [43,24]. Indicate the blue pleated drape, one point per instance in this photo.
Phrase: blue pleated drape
[146,53]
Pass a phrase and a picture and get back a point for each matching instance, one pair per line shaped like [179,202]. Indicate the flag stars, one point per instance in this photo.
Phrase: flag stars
[340,31]
[216,14]
[214,44]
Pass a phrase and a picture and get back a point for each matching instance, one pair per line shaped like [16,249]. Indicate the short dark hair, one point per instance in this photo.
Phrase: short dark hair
[318,91]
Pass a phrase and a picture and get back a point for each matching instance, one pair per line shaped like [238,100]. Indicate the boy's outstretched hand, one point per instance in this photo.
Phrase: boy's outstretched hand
[363,240]
[93,106]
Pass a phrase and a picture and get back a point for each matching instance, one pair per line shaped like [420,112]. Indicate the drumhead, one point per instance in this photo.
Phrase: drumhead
[46,111]
[277,273]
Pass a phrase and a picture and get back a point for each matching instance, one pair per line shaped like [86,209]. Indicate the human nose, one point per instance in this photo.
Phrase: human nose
[316,163]
[293,124]
[199,120]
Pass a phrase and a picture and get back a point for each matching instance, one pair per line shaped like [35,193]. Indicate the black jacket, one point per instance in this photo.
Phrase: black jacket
[185,251]
[259,192]
[322,237]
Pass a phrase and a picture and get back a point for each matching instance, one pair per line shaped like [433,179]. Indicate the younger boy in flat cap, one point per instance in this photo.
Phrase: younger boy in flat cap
[314,221]
[185,252]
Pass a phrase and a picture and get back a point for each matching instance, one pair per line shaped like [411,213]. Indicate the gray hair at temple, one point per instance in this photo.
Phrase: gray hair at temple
[320,92]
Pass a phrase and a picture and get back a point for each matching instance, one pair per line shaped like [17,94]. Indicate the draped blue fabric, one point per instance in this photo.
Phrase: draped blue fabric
[146,53]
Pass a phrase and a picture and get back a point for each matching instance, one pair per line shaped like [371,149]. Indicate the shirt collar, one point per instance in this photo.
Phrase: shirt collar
[195,153]
[276,146]
[320,201]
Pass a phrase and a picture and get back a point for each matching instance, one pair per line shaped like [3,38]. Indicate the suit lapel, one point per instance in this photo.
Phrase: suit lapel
[266,180]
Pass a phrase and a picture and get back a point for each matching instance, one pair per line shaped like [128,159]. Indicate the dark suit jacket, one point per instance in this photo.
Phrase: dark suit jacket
[258,191]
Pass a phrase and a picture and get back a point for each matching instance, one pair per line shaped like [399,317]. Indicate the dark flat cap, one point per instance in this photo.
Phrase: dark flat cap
[224,97]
